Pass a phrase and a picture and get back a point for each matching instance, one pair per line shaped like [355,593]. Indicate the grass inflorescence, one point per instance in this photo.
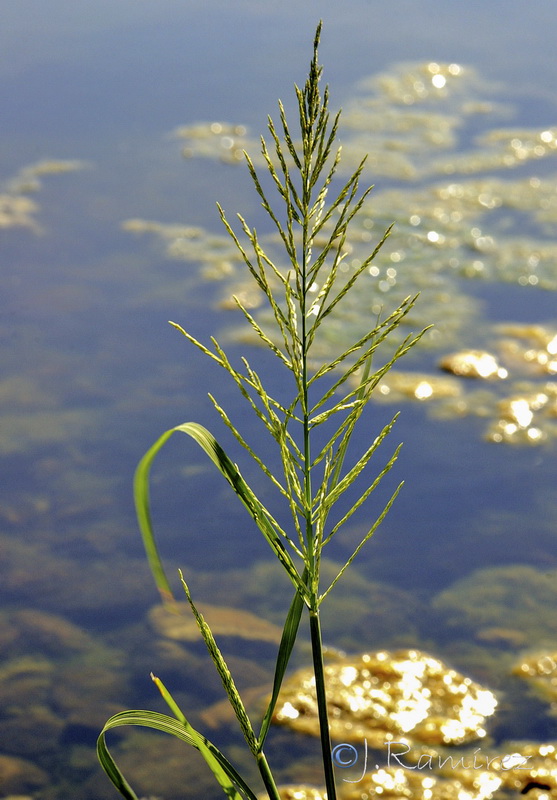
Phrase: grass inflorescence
[311,430]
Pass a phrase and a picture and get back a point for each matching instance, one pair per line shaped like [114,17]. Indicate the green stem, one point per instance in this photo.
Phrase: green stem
[317,650]
[305,253]
[267,775]
[310,133]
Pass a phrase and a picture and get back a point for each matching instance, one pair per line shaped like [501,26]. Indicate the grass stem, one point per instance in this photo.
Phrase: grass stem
[321,694]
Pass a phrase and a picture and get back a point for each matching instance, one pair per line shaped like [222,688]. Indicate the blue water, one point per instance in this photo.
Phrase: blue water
[91,374]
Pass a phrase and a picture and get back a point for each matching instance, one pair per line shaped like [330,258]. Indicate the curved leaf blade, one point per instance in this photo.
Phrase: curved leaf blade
[255,508]
[232,783]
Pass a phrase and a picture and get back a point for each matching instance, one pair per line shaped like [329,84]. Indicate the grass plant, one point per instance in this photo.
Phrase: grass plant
[311,429]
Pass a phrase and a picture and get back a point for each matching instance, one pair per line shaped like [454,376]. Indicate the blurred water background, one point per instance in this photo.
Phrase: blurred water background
[91,373]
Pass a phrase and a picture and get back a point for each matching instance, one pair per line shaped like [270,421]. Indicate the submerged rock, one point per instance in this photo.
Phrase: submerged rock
[498,597]
[535,769]
[20,775]
[298,792]
[30,730]
[398,784]
[178,622]
[505,637]
[520,768]
[159,768]
[540,671]
[51,633]
[380,697]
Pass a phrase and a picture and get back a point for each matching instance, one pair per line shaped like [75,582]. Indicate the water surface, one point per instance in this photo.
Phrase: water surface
[91,373]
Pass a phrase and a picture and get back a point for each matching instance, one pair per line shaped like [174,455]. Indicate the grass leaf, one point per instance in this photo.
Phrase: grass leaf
[224,673]
[230,471]
[289,635]
[228,778]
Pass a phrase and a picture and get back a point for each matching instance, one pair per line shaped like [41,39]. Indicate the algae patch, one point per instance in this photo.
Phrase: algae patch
[402,696]
[17,210]
[522,410]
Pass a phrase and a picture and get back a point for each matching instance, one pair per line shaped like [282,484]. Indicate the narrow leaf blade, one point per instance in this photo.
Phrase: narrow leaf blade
[224,772]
